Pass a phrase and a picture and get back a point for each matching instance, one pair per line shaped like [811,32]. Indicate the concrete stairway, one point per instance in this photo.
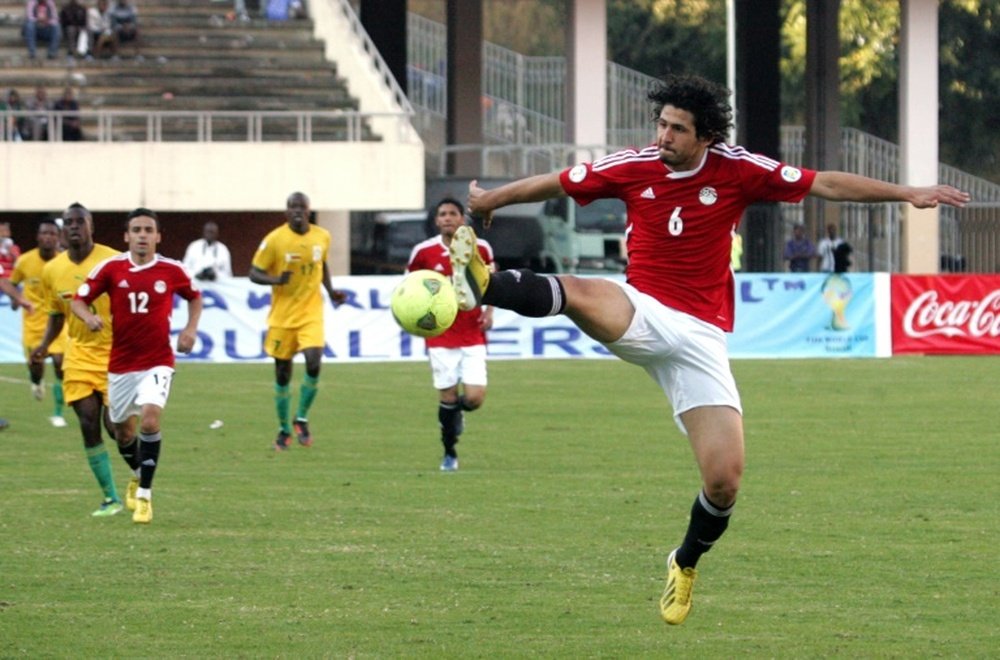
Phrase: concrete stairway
[190,57]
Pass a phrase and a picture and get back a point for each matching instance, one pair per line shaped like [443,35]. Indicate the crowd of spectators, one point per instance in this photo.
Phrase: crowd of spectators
[30,121]
[86,28]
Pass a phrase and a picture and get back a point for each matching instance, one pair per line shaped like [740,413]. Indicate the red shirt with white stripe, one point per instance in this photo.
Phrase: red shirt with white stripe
[681,224]
[432,254]
[142,299]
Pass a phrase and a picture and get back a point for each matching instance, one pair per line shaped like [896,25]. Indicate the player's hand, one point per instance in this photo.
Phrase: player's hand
[477,206]
[24,305]
[94,323]
[284,277]
[486,318]
[39,354]
[930,196]
[185,341]
[338,297]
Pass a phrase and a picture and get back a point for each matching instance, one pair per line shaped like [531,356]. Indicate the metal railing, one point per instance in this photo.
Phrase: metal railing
[200,126]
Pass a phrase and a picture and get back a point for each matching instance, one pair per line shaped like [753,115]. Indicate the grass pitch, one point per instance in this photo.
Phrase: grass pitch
[867,525]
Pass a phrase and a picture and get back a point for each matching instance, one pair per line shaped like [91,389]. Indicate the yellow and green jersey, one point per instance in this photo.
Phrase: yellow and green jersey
[28,273]
[299,301]
[85,350]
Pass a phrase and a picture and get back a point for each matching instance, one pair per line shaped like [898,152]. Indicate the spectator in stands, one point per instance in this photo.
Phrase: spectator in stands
[73,21]
[124,22]
[41,21]
[799,251]
[40,121]
[19,127]
[102,39]
[827,249]
[208,259]
[71,130]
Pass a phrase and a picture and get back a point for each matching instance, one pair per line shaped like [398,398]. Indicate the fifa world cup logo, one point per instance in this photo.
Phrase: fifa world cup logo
[837,295]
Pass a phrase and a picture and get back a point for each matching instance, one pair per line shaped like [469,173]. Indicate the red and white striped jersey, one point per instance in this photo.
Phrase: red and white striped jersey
[680,224]
[432,254]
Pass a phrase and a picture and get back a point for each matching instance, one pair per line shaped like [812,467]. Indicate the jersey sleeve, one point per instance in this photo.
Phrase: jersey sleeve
[784,183]
[263,258]
[184,285]
[95,284]
[586,182]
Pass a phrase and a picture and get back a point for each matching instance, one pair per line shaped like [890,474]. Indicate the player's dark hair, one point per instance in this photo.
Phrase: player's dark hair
[48,221]
[449,200]
[143,212]
[707,101]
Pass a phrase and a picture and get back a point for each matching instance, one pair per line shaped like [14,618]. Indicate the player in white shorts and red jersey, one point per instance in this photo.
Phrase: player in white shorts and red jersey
[141,285]
[458,356]
[685,195]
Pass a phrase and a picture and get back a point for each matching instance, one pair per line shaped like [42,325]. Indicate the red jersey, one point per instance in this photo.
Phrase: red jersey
[142,299]
[432,254]
[680,224]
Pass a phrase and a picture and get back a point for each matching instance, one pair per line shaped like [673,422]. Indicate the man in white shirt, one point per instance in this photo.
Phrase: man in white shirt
[207,259]
[826,248]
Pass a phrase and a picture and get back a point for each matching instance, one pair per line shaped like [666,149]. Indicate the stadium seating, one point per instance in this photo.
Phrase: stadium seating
[191,57]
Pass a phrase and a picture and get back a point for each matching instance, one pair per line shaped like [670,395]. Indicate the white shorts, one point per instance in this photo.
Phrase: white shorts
[451,366]
[129,392]
[688,357]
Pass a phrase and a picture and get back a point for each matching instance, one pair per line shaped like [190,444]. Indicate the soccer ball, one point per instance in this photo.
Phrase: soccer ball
[424,303]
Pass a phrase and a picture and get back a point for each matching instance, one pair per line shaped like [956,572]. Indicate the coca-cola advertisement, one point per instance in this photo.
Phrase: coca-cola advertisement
[945,314]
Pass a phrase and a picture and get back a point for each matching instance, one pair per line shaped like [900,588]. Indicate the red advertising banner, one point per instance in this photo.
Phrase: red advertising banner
[945,314]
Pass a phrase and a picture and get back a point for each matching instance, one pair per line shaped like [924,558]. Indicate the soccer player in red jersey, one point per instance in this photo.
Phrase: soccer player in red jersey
[141,285]
[685,195]
[458,356]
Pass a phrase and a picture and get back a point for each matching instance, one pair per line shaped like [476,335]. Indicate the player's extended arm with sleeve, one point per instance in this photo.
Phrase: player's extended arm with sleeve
[336,297]
[537,188]
[187,336]
[842,186]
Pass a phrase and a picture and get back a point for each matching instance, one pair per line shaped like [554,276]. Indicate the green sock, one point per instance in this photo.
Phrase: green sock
[100,465]
[307,393]
[282,402]
[57,396]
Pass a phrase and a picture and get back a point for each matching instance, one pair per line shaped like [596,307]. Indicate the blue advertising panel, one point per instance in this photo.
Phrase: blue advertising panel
[777,315]
[799,315]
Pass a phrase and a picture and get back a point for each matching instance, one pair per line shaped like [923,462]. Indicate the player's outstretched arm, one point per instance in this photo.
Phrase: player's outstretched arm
[15,295]
[845,187]
[537,188]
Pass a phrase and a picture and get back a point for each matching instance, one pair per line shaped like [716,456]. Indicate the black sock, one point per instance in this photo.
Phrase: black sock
[130,453]
[149,454]
[708,522]
[448,419]
[526,293]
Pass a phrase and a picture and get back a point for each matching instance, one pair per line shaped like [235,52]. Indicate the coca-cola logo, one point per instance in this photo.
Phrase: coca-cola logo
[927,315]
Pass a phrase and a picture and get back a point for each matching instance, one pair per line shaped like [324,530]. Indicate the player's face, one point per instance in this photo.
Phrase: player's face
[142,236]
[48,238]
[297,213]
[680,147]
[448,219]
[78,228]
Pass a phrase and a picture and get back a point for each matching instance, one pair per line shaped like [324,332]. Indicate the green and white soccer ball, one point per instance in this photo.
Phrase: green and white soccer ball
[424,303]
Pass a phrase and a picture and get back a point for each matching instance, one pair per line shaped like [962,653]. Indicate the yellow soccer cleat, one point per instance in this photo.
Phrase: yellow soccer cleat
[133,486]
[143,511]
[469,273]
[675,603]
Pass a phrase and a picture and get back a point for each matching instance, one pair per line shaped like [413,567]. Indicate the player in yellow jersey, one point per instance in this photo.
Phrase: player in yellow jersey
[28,274]
[85,362]
[292,259]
